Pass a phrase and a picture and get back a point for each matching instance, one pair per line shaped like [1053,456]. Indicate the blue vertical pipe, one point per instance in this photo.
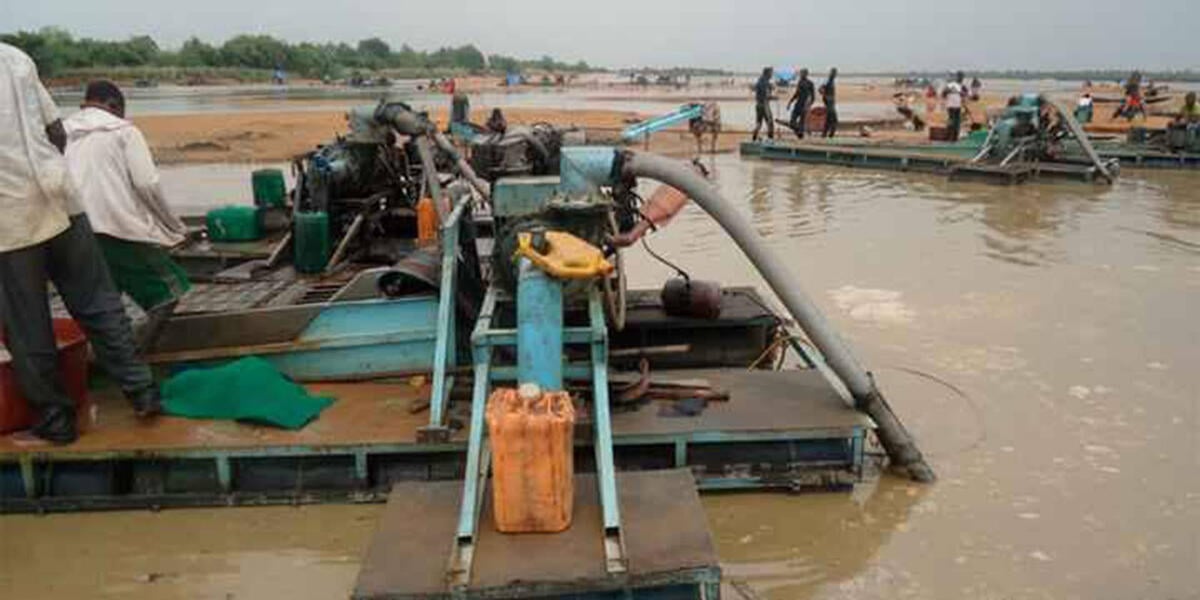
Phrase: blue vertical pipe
[583,169]
[539,328]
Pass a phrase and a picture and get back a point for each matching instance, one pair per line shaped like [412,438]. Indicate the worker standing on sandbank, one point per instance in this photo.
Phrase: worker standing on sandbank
[762,104]
[45,236]
[119,188]
[829,97]
[800,103]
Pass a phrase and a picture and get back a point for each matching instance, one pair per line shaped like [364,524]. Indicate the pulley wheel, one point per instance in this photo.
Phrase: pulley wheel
[614,285]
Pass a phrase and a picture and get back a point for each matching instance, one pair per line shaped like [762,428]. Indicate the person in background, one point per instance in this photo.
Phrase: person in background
[931,102]
[45,237]
[1084,108]
[762,104]
[976,89]
[118,185]
[829,97]
[709,121]
[496,123]
[904,105]
[460,109]
[800,103]
[1132,103]
[1189,113]
[953,94]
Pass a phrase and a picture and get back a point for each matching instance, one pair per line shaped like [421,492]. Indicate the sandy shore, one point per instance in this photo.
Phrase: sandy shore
[279,136]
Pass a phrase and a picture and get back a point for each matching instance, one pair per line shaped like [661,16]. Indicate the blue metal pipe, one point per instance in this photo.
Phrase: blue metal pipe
[539,328]
[687,112]
[583,169]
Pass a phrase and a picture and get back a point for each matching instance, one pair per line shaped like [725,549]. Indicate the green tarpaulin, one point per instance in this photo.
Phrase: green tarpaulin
[249,389]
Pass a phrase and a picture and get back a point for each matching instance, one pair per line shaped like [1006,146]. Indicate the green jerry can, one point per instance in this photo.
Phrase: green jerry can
[312,244]
[269,188]
[233,224]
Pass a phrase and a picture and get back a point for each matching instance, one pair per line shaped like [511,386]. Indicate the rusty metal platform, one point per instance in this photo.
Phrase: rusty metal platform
[671,553]
[780,429]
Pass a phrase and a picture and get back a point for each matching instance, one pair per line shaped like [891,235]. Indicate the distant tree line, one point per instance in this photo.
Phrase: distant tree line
[58,53]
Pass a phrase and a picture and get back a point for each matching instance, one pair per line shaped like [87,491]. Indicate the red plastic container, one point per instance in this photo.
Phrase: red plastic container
[15,413]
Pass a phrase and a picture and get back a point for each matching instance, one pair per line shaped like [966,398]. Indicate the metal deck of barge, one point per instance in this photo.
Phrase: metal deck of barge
[780,429]
[671,554]
[943,158]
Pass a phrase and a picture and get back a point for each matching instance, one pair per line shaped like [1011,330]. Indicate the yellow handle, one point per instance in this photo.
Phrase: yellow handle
[567,256]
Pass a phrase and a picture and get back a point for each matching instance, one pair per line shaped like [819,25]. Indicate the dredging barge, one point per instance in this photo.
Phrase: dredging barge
[1034,139]
[499,296]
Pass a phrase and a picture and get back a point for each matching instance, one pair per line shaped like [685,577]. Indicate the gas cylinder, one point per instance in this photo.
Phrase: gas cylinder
[686,297]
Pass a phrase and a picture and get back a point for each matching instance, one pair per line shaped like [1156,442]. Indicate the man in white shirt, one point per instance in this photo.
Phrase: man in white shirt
[953,94]
[44,236]
[114,171]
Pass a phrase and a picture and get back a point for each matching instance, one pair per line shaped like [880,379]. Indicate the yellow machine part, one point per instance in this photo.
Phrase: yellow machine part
[567,257]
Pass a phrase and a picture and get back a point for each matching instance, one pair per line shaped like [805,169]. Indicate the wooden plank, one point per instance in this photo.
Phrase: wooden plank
[365,413]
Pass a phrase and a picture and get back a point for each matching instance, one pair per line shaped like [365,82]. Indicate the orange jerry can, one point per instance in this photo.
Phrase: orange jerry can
[533,465]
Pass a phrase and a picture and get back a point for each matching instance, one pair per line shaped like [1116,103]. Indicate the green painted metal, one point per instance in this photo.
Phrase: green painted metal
[508,337]
[360,462]
[606,472]
[28,480]
[28,461]
[347,339]
[477,467]
[444,353]
[36,477]
[478,460]
[224,473]
[521,196]
[850,156]
[937,157]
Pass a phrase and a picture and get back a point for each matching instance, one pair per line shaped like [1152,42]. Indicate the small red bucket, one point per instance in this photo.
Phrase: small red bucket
[15,413]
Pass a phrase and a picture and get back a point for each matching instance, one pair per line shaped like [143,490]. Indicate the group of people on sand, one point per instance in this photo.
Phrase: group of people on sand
[1134,100]
[80,206]
[799,104]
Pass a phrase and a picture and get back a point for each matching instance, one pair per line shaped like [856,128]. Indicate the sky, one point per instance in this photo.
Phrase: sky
[855,35]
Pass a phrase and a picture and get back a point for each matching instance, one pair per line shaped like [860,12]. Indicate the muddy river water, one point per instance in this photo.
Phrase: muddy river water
[1041,342]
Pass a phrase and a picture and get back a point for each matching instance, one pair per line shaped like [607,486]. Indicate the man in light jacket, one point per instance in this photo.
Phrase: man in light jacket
[44,235]
[111,165]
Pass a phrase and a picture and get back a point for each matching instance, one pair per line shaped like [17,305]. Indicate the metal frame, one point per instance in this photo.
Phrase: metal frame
[483,340]
[34,482]
[63,480]
[941,158]
[445,354]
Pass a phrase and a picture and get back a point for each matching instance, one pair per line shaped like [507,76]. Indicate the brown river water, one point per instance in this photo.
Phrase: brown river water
[1040,341]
